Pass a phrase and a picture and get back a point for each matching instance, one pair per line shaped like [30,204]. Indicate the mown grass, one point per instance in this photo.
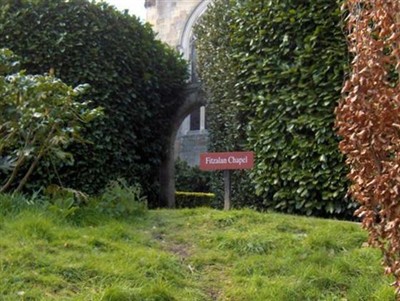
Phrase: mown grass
[188,254]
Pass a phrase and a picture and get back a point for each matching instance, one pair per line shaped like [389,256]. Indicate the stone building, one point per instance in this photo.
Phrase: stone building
[173,21]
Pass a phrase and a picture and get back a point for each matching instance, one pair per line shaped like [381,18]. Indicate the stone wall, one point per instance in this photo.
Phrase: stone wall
[169,17]
[189,147]
[172,21]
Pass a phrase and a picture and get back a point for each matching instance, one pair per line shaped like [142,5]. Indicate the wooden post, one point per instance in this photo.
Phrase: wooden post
[227,185]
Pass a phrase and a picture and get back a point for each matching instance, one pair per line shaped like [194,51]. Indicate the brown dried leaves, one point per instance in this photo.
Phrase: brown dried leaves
[368,120]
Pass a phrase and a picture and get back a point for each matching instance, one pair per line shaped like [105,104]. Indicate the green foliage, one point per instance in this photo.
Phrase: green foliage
[225,119]
[12,204]
[193,199]
[121,200]
[9,62]
[275,69]
[64,202]
[39,118]
[136,79]
[188,178]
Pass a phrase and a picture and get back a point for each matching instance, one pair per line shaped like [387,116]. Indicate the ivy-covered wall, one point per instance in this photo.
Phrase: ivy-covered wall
[274,71]
[135,78]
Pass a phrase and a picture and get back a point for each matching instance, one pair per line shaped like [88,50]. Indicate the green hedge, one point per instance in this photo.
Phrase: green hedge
[193,199]
[277,68]
[225,119]
[137,79]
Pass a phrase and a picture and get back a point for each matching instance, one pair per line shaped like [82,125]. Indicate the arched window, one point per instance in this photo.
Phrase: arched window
[193,61]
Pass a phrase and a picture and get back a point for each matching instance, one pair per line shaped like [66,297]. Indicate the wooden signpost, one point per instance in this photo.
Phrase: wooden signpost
[227,162]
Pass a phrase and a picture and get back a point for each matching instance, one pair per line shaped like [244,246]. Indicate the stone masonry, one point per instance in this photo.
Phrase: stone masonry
[169,17]
[172,20]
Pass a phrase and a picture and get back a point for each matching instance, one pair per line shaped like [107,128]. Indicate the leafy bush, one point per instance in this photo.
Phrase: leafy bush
[193,199]
[190,178]
[282,63]
[121,200]
[39,118]
[65,202]
[137,80]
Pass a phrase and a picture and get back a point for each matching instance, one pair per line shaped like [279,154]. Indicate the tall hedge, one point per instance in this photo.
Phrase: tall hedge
[224,118]
[135,78]
[285,61]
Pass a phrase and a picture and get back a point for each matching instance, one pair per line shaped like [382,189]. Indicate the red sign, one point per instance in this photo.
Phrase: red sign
[225,161]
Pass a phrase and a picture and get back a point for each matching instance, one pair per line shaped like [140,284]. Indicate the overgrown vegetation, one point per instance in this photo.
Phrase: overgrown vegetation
[274,71]
[189,254]
[136,79]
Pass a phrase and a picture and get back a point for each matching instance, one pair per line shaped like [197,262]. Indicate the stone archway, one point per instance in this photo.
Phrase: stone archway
[187,48]
[194,98]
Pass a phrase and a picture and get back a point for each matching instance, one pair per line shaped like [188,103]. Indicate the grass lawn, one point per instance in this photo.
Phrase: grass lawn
[196,254]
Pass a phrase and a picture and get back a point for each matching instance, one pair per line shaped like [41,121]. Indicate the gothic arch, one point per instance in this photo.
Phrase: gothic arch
[186,47]
[187,33]
[194,99]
